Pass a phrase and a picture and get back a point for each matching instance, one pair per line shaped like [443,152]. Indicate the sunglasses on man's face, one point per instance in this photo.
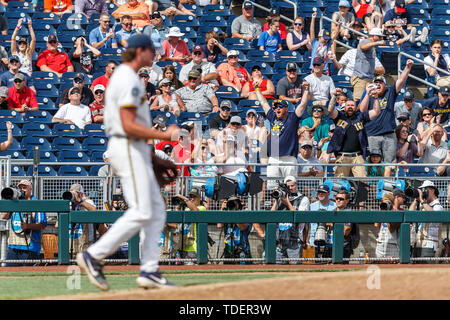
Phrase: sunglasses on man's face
[306,147]
[75,92]
[22,42]
[106,21]
[144,76]
[276,106]
[408,100]
[426,114]
[18,81]
[156,17]
[127,24]
[317,110]
[77,80]
[192,78]
[232,57]
[53,42]
[298,24]
[340,199]
[292,70]
[226,109]
[99,92]
[197,53]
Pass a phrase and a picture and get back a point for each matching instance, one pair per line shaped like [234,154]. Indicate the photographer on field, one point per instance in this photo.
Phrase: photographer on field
[387,240]
[81,235]
[236,240]
[24,239]
[291,237]
[427,234]
[188,231]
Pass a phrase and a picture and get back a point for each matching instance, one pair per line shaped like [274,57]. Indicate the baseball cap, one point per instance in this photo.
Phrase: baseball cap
[159,120]
[195,192]
[256,66]
[408,95]
[143,70]
[427,183]
[251,111]
[325,34]
[389,23]
[24,182]
[4,92]
[290,178]
[156,38]
[280,103]
[323,188]
[357,23]
[332,127]
[274,12]
[105,155]
[19,76]
[73,89]
[445,90]
[291,66]
[77,187]
[52,37]
[225,104]
[22,39]
[198,48]
[163,82]
[404,116]
[194,73]
[79,75]
[155,14]
[140,41]
[236,119]
[306,143]
[233,53]
[399,193]
[400,5]
[375,152]
[247,5]
[376,32]
[14,58]
[344,3]
[380,78]
[99,87]
[317,61]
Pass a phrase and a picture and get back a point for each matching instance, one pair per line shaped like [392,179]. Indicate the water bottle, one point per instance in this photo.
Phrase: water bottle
[366,257]
[361,256]
[315,148]
[177,258]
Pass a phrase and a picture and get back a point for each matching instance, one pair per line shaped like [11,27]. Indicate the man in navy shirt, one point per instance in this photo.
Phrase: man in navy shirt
[381,131]
[440,104]
[7,77]
[399,15]
[349,141]
[283,140]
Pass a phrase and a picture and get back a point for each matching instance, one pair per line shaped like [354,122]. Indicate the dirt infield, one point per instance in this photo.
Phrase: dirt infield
[396,282]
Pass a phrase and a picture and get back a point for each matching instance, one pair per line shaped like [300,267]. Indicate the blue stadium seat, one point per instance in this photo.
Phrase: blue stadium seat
[67,130]
[185,20]
[95,130]
[193,116]
[43,171]
[217,10]
[46,17]
[75,19]
[167,23]
[38,116]
[417,171]
[95,144]
[15,146]
[17,171]
[419,4]
[11,115]
[170,117]
[16,131]
[440,12]
[177,66]
[72,171]
[44,27]
[12,154]
[14,15]
[49,77]
[227,92]
[45,156]
[189,32]
[261,56]
[35,129]
[72,156]
[194,9]
[289,55]
[266,69]
[46,104]
[93,170]
[45,88]
[19,5]
[203,30]
[237,44]
[28,143]
[214,21]
[97,156]
[421,14]
[190,44]
[65,143]
[245,103]
[306,10]
[440,33]
[111,7]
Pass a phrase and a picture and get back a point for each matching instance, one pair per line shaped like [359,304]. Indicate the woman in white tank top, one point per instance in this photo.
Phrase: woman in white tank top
[167,99]
[22,49]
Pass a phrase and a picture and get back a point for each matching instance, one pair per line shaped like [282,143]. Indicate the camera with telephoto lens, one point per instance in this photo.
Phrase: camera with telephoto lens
[386,205]
[12,194]
[119,202]
[234,203]
[320,237]
[281,192]
[446,242]
[413,193]
[69,195]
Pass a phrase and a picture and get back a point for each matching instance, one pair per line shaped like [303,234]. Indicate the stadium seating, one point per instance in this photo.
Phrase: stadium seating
[95,144]
[29,143]
[72,171]
[44,156]
[65,143]
[72,156]
[38,116]
[17,171]
[43,171]
[67,130]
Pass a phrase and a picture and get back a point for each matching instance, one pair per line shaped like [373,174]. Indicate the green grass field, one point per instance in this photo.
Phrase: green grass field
[23,285]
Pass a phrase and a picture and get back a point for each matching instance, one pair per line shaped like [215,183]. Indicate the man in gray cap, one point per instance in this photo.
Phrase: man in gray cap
[246,26]
[289,88]
[87,96]
[305,156]
[221,120]
[197,96]
[208,70]
[410,106]
[7,77]
[21,98]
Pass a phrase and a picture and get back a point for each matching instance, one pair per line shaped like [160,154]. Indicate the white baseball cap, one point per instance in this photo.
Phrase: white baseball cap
[376,32]
[290,178]
[233,53]
[427,183]
[99,87]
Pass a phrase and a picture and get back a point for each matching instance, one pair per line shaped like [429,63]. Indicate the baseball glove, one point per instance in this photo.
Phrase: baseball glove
[165,170]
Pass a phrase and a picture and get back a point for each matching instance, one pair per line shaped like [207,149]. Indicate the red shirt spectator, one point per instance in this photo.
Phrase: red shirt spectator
[98,106]
[104,79]
[53,60]
[21,98]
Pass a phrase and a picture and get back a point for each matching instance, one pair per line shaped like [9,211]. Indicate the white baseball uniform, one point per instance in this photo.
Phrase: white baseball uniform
[131,160]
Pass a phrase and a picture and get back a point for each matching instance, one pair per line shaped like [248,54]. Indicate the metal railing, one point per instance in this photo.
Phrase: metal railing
[281,16]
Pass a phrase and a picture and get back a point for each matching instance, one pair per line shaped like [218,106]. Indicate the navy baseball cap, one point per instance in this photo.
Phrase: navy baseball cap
[140,41]
[281,103]
[14,58]
[323,188]
[408,95]
[274,12]
[357,23]
[317,61]
[247,5]
[445,90]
